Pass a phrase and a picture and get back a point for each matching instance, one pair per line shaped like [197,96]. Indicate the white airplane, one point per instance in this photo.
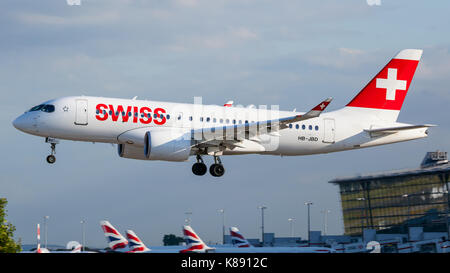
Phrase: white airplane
[241,245]
[155,130]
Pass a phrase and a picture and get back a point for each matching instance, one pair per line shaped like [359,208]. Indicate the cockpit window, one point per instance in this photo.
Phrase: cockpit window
[44,108]
[36,108]
[48,108]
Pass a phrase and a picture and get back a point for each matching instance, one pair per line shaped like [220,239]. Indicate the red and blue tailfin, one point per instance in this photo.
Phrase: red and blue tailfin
[114,238]
[193,241]
[135,244]
[237,239]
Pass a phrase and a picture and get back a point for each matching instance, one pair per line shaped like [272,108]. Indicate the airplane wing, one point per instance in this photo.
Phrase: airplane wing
[232,136]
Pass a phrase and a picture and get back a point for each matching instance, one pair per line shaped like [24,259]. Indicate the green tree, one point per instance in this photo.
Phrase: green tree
[7,243]
[172,240]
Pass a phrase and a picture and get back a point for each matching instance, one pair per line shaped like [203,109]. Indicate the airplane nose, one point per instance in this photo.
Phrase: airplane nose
[20,123]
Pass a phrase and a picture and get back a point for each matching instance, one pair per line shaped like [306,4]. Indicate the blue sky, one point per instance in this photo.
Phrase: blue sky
[289,53]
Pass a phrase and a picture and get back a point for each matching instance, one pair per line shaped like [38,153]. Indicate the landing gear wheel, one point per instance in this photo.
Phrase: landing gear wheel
[216,170]
[51,159]
[199,168]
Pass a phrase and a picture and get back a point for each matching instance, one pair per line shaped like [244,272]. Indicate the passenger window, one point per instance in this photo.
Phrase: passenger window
[234,121]
[310,127]
[227,121]
[214,120]
[207,119]
[317,128]
[221,120]
[168,116]
[297,126]
[290,126]
[303,127]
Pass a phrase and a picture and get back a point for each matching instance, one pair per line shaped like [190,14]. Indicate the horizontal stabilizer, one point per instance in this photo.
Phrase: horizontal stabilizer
[391,130]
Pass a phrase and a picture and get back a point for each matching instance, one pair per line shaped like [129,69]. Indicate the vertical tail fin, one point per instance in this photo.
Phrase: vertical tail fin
[135,244]
[238,239]
[388,89]
[194,243]
[114,238]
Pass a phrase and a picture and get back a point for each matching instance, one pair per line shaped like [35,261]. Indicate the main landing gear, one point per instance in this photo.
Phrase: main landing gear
[215,169]
[51,158]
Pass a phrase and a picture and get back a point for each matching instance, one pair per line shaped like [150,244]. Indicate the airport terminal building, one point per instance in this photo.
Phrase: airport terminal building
[394,201]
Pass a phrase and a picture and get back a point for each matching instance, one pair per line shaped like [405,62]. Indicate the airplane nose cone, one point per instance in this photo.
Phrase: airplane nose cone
[20,123]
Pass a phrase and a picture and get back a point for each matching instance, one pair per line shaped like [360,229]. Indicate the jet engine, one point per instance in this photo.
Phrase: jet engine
[167,145]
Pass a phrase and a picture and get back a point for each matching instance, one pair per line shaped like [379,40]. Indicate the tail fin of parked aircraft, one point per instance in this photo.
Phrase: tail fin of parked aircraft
[385,93]
[114,238]
[238,239]
[193,241]
[135,244]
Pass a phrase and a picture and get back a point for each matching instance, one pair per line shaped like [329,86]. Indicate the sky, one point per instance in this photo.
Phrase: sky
[290,53]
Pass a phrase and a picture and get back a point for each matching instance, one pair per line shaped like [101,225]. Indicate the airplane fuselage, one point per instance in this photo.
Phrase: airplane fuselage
[98,119]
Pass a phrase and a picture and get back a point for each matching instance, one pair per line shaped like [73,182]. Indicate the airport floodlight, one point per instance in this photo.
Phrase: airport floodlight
[308,204]
[262,208]
[223,224]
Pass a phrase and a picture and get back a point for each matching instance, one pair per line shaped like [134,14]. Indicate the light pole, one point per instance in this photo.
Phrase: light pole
[83,238]
[223,224]
[45,227]
[407,219]
[364,215]
[188,219]
[308,204]
[291,222]
[325,221]
[262,208]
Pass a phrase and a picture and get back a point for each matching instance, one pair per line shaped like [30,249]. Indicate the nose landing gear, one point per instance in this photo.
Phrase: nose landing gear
[51,158]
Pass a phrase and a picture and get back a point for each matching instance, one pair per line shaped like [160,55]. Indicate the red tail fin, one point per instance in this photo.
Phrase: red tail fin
[387,90]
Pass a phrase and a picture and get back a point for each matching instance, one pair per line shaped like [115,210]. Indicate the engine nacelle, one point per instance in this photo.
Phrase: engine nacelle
[131,151]
[168,145]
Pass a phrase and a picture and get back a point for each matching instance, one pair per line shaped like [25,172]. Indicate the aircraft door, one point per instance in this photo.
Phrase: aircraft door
[329,130]
[81,115]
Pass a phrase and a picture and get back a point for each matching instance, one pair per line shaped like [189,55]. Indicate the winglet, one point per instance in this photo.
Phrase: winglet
[316,111]
[320,107]
[229,103]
